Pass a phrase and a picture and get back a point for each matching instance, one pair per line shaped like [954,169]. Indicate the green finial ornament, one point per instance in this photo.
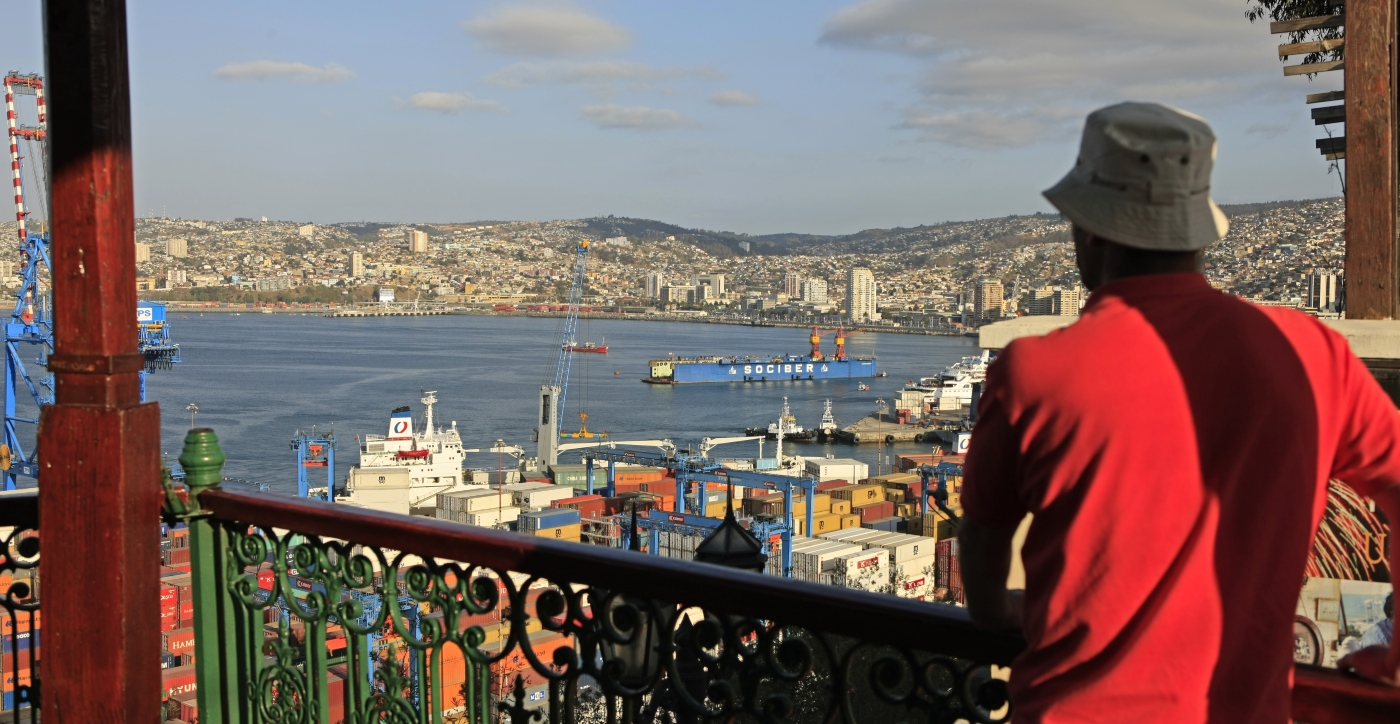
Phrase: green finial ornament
[202,459]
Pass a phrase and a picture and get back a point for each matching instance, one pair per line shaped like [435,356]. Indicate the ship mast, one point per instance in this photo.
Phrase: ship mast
[428,399]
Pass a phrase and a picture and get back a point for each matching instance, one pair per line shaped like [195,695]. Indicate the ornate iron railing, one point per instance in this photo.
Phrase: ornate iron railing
[19,606]
[309,611]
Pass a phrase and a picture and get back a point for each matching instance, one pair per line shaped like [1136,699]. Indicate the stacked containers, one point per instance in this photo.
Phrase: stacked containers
[556,523]
[912,563]
[540,498]
[810,558]
[949,573]
[482,507]
[874,511]
[867,570]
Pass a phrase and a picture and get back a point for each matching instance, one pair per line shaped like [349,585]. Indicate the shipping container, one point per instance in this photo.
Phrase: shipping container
[491,518]
[914,578]
[901,546]
[852,535]
[808,564]
[179,641]
[538,498]
[892,524]
[949,573]
[530,522]
[866,570]
[825,524]
[859,494]
[569,532]
[873,511]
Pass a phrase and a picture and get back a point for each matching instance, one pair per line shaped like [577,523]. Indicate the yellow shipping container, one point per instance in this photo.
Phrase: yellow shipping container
[563,532]
[840,507]
[851,520]
[904,510]
[915,524]
[821,503]
[859,494]
[826,523]
[716,510]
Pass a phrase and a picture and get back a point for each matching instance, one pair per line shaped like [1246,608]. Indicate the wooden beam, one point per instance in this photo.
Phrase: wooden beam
[1315,46]
[1335,156]
[1329,114]
[99,485]
[1310,68]
[1327,97]
[1318,22]
[1336,144]
[1371,258]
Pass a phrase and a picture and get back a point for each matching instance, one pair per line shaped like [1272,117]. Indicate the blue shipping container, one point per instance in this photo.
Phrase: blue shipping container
[22,640]
[553,518]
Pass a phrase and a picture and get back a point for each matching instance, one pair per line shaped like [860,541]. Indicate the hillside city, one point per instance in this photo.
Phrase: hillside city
[948,275]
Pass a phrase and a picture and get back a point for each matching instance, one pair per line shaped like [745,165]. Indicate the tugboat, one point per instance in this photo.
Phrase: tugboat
[826,431]
[862,387]
[788,426]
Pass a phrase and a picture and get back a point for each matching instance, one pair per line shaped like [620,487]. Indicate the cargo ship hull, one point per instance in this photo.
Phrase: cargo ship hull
[759,369]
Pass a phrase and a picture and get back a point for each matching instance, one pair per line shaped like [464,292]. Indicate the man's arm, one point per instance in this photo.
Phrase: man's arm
[1381,663]
[984,555]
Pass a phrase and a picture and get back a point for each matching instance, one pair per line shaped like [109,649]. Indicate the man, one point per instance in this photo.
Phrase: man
[1173,446]
[1380,633]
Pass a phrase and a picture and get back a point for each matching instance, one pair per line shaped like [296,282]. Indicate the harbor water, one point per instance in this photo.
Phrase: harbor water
[258,378]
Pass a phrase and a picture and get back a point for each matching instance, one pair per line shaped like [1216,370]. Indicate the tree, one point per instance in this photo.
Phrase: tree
[1277,10]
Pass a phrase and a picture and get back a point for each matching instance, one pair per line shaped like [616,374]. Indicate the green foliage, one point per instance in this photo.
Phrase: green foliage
[1276,10]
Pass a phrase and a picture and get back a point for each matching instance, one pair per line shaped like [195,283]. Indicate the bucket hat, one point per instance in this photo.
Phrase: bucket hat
[1142,179]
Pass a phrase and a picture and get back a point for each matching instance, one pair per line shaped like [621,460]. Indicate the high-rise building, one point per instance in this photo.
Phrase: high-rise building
[861,301]
[814,291]
[306,230]
[176,276]
[177,248]
[714,281]
[143,252]
[1065,301]
[987,299]
[1322,293]
[357,264]
[1041,301]
[655,281]
[417,241]
[792,285]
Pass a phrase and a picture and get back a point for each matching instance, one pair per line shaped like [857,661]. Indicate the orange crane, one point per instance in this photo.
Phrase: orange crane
[817,335]
[841,334]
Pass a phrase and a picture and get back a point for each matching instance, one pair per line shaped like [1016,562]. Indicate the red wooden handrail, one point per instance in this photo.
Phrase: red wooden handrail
[1320,696]
[934,627]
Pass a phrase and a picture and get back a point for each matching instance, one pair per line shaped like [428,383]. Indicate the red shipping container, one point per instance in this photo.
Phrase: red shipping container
[178,680]
[875,511]
[828,485]
[179,641]
[167,572]
[189,705]
[179,557]
[169,596]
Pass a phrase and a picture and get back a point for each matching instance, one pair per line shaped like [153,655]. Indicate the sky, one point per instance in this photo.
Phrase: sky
[815,116]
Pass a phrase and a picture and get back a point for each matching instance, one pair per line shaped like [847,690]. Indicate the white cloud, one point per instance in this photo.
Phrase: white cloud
[635,118]
[275,70]
[546,31]
[603,78]
[451,103]
[734,98]
[992,69]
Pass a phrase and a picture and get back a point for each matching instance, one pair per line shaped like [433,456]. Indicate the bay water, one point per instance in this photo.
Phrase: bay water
[258,378]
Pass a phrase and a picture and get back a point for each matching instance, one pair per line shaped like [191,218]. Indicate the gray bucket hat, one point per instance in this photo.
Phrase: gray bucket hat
[1142,179]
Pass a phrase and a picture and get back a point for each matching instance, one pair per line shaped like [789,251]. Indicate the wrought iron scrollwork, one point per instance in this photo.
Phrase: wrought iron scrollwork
[533,649]
[19,605]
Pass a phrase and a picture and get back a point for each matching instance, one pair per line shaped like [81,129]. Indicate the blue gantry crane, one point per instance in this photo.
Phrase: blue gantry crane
[315,450]
[552,395]
[29,331]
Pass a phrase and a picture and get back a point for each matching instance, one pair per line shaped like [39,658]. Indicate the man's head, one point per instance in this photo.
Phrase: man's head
[1139,193]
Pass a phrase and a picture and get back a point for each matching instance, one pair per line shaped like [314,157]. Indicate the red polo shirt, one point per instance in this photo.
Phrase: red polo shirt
[1174,445]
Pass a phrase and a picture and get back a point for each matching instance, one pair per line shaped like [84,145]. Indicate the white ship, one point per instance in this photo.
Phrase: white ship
[953,386]
[403,472]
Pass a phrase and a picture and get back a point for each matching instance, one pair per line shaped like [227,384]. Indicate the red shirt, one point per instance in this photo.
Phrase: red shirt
[1174,445]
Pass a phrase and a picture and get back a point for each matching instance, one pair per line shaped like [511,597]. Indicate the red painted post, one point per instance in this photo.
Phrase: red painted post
[99,462]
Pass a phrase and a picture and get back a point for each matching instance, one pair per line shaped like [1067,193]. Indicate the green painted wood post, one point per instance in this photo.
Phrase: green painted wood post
[215,678]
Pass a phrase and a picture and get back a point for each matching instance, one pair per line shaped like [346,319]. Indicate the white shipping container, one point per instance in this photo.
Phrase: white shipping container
[901,546]
[914,569]
[492,518]
[808,565]
[466,501]
[542,497]
[867,570]
[852,535]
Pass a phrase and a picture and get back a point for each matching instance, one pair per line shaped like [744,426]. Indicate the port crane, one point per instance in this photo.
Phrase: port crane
[29,330]
[552,396]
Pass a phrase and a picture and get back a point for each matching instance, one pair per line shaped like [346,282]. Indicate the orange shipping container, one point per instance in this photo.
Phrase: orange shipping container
[180,641]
